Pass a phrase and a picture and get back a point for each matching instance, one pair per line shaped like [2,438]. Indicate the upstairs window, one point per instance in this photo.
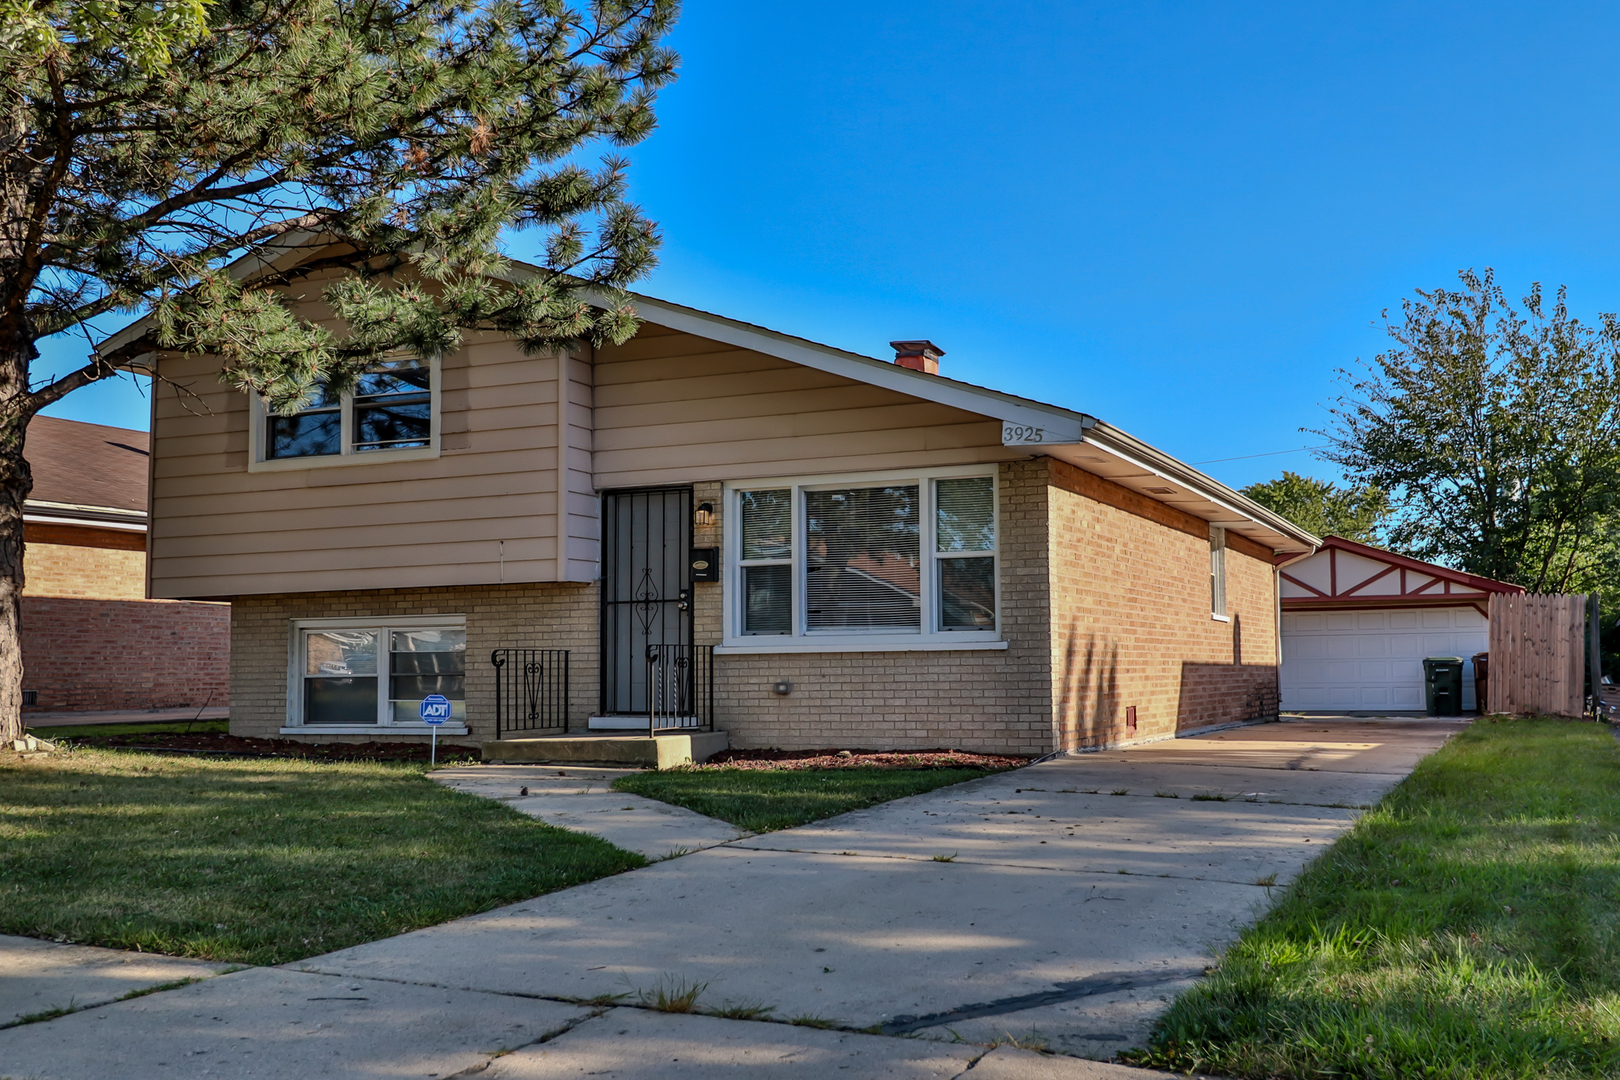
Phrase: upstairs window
[391,409]
[864,561]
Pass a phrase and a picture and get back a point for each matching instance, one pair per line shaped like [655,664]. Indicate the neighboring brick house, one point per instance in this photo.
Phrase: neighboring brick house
[857,552]
[92,641]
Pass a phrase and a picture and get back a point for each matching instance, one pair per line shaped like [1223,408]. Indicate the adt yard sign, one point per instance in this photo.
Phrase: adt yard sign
[435,711]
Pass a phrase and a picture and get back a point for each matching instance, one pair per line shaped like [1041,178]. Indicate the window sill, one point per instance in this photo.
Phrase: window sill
[373,729]
[859,646]
[332,461]
[1220,618]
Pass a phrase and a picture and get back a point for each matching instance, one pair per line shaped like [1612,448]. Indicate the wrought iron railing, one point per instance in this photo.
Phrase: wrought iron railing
[531,690]
[680,688]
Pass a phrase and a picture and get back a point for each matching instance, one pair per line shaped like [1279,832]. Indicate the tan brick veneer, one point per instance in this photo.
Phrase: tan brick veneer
[1104,604]
[547,616]
[1131,618]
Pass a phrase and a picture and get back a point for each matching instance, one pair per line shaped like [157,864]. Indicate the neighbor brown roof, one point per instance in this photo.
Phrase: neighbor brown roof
[77,464]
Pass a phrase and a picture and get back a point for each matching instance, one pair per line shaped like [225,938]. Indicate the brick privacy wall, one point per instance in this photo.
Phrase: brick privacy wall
[531,616]
[1131,618]
[84,655]
[84,563]
[993,700]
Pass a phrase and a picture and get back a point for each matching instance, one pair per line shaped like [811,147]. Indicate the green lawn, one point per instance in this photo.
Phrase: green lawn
[261,861]
[149,727]
[1467,927]
[763,800]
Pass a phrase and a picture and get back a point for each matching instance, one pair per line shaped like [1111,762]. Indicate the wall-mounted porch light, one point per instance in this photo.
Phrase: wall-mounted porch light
[704,516]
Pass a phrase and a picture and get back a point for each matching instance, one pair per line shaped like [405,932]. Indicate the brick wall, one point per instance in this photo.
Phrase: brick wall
[124,654]
[993,700]
[540,616]
[84,562]
[1131,618]
[1104,601]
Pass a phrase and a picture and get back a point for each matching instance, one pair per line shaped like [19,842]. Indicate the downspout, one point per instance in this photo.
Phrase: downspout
[562,465]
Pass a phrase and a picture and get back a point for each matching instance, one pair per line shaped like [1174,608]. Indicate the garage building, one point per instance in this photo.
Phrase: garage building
[1357,622]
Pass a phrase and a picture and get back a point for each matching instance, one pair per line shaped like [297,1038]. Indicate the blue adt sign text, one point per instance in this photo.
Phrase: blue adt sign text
[435,709]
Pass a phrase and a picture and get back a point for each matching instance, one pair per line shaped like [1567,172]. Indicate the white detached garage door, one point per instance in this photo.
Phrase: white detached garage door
[1373,659]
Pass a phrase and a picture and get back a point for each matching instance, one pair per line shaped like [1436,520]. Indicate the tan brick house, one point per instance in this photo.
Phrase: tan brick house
[825,549]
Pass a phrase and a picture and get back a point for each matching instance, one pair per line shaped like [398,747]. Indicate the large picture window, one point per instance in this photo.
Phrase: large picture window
[390,411]
[352,675]
[864,561]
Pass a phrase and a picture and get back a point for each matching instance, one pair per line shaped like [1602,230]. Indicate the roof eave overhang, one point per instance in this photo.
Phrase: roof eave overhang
[55,513]
[1117,456]
[1034,427]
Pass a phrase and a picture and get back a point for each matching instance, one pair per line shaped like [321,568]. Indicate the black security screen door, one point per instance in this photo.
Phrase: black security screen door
[646,587]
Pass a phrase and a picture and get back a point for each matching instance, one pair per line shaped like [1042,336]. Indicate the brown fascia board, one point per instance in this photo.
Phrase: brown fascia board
[1444,573]
[1109,437]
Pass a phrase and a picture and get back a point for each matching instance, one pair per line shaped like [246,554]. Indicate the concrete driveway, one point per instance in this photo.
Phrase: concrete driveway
[1062,905]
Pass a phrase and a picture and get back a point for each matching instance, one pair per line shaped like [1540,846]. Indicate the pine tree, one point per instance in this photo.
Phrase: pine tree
[146,146]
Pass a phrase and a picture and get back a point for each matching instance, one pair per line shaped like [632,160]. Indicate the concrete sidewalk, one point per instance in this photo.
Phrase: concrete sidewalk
[152,716]
[1060,905]
[1035,904]
[583,799]
[45,976]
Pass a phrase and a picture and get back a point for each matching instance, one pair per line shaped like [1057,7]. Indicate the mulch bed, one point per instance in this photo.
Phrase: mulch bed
[239,746]
[855,759]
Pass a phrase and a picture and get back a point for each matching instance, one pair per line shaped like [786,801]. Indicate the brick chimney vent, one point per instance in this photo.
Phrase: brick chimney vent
[920,356]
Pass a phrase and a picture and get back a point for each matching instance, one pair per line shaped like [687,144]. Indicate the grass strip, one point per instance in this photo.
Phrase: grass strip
[261,861]
[1466,927]
[761,800]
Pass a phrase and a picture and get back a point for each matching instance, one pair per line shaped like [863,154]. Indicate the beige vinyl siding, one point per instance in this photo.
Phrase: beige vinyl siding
[664,408]
[674,408]
[220,530]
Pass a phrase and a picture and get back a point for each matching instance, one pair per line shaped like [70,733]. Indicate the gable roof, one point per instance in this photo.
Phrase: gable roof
[88,472]
[1345,574]
[1036,427]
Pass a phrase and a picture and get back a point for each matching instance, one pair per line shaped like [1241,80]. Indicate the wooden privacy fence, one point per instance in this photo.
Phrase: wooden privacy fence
[1538,654]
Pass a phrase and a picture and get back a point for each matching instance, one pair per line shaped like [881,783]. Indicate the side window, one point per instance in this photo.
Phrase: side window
[1217,570]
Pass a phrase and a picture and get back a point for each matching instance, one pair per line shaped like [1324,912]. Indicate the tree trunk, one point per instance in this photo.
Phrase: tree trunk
[16,481]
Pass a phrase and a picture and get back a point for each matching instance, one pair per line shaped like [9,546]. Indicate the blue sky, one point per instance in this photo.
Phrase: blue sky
[1181,218]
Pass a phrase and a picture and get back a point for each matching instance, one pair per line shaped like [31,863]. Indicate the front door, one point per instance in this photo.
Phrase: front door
[646,588]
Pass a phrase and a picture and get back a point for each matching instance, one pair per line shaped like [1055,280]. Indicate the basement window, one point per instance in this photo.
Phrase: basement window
[863,563]
[352,675]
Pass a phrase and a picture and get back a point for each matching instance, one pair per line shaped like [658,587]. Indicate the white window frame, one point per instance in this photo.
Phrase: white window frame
[385,721]
[1217,575]
[259,425]
[929,638]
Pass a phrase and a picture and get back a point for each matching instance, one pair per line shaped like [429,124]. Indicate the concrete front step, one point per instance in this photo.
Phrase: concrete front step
[660,752]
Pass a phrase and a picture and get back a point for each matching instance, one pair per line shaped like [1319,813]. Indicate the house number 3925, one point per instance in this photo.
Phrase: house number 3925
[1012,434]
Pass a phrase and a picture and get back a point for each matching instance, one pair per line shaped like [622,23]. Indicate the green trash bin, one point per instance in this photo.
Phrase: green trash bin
[1443,684]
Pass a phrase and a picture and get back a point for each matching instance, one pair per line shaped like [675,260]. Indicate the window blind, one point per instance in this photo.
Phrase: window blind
[862,559]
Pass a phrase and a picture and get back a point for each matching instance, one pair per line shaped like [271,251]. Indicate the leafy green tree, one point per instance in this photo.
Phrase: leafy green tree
[384,147]
[1496,432]
[1325,509]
